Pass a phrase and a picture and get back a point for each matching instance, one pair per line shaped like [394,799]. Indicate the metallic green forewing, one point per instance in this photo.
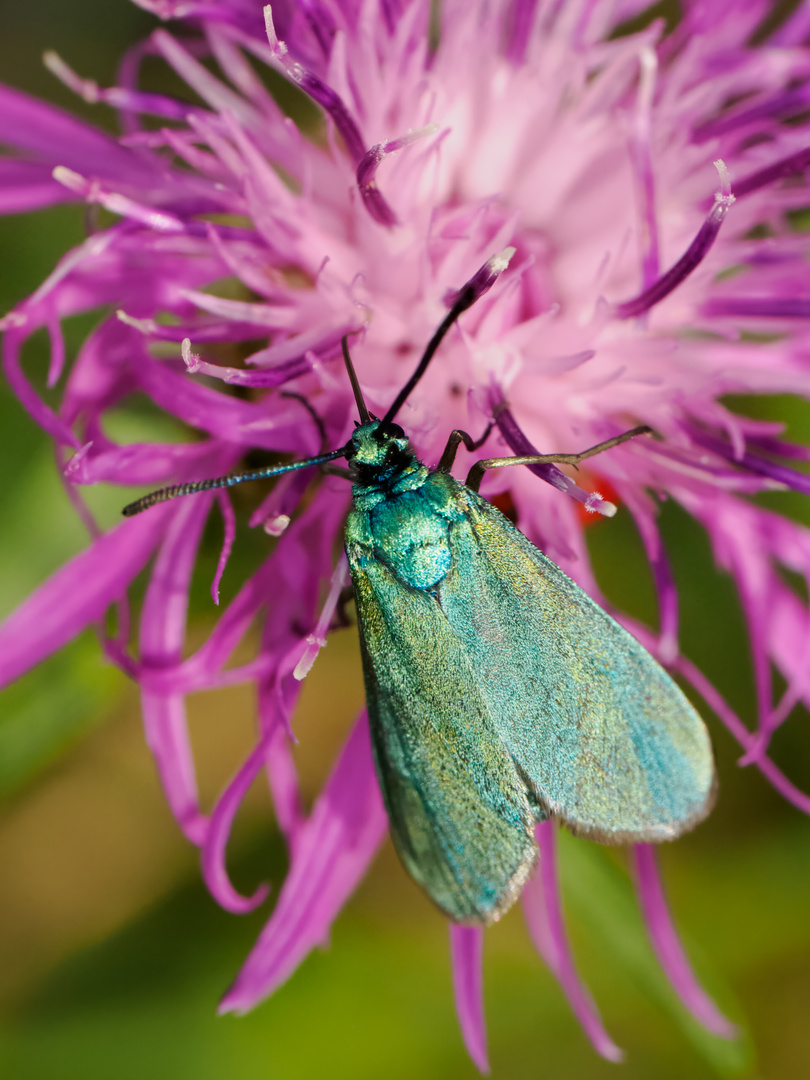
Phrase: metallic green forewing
[460,816]
[606,738]
[499,693]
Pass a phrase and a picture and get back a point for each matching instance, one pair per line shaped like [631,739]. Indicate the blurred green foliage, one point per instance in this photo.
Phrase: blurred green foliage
[111,952]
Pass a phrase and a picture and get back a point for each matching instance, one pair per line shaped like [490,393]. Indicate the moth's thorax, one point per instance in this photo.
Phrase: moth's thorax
[405,525]
[383,464]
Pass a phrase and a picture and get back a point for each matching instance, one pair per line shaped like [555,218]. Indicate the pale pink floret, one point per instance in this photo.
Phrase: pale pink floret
[528,127]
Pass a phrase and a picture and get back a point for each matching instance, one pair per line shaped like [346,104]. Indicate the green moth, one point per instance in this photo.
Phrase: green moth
[499,694]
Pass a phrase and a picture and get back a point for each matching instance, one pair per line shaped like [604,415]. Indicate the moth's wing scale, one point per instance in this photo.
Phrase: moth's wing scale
[604,736]
[461,817]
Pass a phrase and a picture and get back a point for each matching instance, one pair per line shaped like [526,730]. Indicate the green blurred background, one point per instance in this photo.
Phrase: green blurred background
[112,955]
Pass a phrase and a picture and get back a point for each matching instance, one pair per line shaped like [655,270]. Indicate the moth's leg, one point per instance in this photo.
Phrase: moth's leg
[337,470]
[477,471]
[456,438]
[319,424]
[327,470]
[341,618]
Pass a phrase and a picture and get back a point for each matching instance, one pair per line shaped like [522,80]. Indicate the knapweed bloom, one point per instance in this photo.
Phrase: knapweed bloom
[649,184]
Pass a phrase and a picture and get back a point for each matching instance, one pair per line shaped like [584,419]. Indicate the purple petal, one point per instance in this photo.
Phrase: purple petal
[542,908]
[780,104]
[373,198]
[642,160]
[744,737]
[689,261]
[77,595]
[282,775]
[787,166]
[336,844]
[467,951]
[523,15]
[315,641]
[92,191]
[63,140]
[213,852]
[291,577]
[200,330]
[39,412]
[28,185]
[795,30]
[117,97]
[668,614]
[480,283]
[137,463]
[166,728]
[668,947]
[220,415]
[211,89]
[320,93]
[162,635]
[754,462]
[229,520]
[758,307]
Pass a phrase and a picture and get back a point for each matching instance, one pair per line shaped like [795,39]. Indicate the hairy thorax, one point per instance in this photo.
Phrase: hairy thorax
[409,531]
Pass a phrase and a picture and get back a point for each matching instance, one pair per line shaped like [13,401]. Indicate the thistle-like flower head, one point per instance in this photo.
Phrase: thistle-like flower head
[645,188]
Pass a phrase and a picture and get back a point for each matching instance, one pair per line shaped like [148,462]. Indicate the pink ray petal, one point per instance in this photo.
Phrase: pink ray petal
[346,827]
[668,947]
[229,520]
[282,775]
[64,140]
[162,634]
[467,952]
[214,869]
[542,907]
[77,595]
[744,737]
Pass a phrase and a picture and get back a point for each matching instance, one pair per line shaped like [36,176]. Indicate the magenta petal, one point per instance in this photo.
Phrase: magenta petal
[744,737]
[229,521]
[282,777]
[63,140]
[335,846]
[373,198]
[319,91]
[467,952]
[162,635]
[28,185]
[213,853]
[668,947]
[166,728]
[542,908]
[689,261]
[13,340]
[668,610]
[77,594]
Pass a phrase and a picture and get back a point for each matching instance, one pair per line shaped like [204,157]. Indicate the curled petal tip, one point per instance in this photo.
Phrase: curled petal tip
[191,360]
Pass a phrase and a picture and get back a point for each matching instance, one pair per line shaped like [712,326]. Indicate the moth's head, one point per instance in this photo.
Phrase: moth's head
[377,451]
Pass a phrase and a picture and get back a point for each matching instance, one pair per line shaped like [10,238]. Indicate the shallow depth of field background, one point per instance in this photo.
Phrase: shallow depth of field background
[113,956]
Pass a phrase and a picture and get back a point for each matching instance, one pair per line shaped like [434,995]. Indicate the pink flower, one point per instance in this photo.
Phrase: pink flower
[642,275]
